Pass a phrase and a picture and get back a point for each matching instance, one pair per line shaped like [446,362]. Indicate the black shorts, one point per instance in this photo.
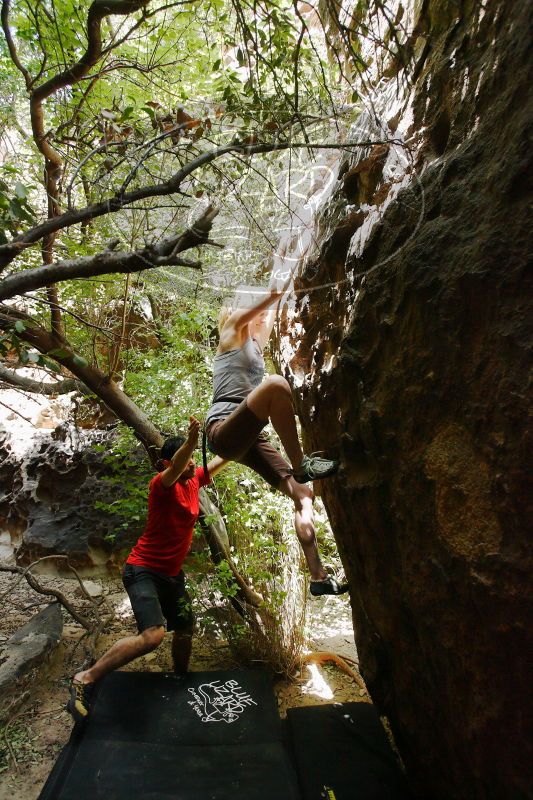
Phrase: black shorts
[156,599]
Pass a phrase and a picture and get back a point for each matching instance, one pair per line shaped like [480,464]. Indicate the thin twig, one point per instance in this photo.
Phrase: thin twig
[17,413]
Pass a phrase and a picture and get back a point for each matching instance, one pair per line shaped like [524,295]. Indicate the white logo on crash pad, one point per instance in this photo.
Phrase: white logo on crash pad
[220,702]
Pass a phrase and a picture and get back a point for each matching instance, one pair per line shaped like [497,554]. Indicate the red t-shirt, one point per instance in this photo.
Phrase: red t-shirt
[167,536]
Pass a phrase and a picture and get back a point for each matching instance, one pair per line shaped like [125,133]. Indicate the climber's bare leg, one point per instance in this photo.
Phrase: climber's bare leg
[122,652]
[302,497]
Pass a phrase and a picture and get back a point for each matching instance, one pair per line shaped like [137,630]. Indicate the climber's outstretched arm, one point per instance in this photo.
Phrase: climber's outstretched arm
[263,335]
[238,319]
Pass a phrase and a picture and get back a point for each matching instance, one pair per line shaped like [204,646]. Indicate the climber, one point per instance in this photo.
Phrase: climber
[152,574]
[243,403]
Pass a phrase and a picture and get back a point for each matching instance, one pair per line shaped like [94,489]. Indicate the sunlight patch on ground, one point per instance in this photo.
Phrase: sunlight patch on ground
[329,626]
[317,686]
[329,617]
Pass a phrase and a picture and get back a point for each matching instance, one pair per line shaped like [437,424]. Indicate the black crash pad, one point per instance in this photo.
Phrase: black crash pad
[207,736]
[341,752]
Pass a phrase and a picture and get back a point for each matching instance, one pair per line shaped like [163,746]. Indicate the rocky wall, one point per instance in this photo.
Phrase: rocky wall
[50,488]
[408,350]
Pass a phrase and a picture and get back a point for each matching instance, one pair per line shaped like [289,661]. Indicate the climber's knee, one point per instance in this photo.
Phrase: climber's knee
[300,493]
[277,383]
[303,496]
[305,492]
[152,637]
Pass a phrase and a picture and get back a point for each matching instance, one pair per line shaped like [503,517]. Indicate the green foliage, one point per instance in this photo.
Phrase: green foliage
[191,76]
[174,381]
[223,581]
[256,517]
[130,474]
[15,209]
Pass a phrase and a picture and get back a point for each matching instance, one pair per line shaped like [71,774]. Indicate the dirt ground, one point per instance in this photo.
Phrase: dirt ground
[35,734]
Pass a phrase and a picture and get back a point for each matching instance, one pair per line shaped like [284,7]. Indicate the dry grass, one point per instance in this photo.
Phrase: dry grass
[273,636]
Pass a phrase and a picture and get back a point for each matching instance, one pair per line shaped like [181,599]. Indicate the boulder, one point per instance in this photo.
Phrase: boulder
[25,654]
[413,368]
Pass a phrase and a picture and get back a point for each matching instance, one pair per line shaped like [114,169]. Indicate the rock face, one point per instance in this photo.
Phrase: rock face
[49,492]
[414,359]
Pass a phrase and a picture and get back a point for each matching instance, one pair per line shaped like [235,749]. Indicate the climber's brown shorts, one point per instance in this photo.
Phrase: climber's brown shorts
[238,438]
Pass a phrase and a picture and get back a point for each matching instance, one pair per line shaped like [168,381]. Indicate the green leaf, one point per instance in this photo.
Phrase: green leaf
[19,326]
[150,112]
[79,361]
[19,210]
[21,191]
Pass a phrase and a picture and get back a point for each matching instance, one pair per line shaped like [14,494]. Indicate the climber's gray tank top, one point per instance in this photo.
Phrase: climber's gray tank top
[235,373]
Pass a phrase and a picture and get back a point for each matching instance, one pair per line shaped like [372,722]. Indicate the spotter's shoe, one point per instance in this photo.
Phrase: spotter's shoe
[329,585]
[79,703]
[313,468]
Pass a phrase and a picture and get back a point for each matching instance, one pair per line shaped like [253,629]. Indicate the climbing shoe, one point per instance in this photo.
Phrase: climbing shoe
[79,703]
[328,586]
[313,468]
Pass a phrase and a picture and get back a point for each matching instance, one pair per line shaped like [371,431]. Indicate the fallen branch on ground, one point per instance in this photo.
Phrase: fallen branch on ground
[340,661]
[25,572]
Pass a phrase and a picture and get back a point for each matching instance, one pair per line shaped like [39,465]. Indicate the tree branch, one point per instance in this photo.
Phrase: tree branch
[39,387]
[11,44]
[14,411]
[97,12]
[11,250]
[36,586]
[165,253]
